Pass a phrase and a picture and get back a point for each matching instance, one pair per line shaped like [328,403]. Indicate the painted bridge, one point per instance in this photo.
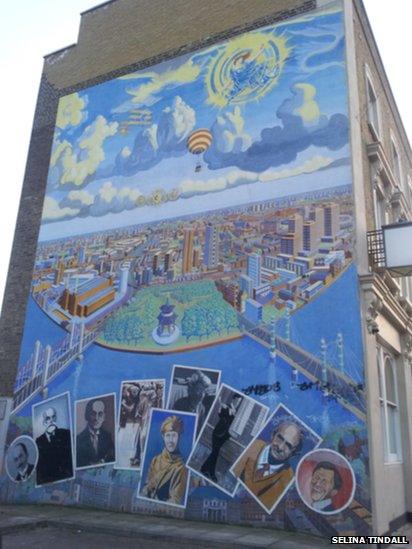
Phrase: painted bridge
[333,381]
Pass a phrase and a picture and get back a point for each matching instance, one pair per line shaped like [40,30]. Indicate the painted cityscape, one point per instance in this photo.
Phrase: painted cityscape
[197,241]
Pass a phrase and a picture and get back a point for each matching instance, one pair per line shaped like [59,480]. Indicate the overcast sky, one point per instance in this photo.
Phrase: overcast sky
[31,29]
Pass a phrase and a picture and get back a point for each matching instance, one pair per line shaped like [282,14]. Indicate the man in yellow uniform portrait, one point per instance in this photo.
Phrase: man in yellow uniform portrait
[167,476]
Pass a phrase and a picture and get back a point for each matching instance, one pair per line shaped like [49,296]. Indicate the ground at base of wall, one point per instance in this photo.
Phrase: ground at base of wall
[405,530]
[51,526]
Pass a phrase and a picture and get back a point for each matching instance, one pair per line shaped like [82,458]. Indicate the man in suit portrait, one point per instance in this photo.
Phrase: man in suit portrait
[20,456]
[94,445]
[325,483]
[55,450]
[265,468]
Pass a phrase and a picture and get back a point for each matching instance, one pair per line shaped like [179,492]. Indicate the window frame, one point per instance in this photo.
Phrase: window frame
[374,125]
[409,186]
[385,359]
[379,208]
[396,162]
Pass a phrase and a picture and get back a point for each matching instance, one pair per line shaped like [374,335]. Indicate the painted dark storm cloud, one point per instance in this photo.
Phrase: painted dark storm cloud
[165,139]
[281,144]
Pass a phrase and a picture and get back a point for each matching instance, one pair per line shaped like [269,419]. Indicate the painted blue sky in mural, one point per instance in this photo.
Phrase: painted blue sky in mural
[273,101]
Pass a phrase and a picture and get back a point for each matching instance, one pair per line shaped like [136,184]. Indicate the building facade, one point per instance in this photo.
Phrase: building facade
[287,337]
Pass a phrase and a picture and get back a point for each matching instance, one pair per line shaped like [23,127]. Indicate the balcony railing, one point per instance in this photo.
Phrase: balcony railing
[376,249]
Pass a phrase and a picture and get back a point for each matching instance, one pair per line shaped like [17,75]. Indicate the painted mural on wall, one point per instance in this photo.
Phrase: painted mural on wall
[192,343]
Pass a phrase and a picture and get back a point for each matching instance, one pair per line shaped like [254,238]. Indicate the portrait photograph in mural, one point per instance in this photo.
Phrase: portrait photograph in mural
[198,228]
[233,421]
[95,428]
[165,477]
[52,432]
[325,481]
[193,390]
[137,399]
[267,466]
[21,459]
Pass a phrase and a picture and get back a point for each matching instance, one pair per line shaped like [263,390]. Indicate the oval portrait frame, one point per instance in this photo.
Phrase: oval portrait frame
[342,459]
[17,440]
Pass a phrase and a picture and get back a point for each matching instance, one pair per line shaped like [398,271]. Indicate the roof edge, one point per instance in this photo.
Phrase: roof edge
[60,50]
[364,19]
[101,5]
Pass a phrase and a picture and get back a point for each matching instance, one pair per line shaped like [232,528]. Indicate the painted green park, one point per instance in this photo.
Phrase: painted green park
[203,318]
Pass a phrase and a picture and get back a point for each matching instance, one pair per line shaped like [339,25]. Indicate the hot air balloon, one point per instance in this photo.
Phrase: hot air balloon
[197,143]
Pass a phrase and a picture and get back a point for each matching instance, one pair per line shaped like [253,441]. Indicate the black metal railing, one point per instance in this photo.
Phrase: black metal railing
[376,249]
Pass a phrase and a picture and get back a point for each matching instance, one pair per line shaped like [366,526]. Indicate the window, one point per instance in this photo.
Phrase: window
[372,104]
[373,107]
[396,163]
[388,397]
[410,190]
[381,215]
[406,287]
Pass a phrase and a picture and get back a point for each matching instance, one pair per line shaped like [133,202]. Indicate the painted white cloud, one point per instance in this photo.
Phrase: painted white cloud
[76,163]
[308,109]
[70,111]
[109,199]
[80,200]
[235,178]
[228,132]
[53,212]
[312,165]
[175,124]
[146,93]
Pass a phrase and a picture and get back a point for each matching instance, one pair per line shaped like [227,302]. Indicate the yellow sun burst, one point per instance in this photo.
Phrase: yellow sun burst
[246,69]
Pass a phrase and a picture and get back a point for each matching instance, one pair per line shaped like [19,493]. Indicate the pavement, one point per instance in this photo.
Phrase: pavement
[406,530]
[48,527]
[51,526]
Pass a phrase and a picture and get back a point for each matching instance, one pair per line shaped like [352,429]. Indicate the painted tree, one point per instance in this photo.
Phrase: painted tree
[189,324]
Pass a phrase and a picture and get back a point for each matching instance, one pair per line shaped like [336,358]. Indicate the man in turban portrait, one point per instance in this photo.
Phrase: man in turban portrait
[167,475]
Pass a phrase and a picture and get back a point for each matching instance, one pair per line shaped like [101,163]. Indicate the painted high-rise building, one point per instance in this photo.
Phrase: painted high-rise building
[196,257]
[211,247]
[310,233]
[187,256]
[291,243]
[168,260]
[156,261]
[124,277]
[316,214]
[82,255]
[331,219]
[246,284]
[254,266]
[295,223]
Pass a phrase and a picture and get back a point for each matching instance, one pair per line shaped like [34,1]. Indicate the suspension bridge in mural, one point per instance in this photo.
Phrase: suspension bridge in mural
[47,362]
[328,373]
[336,377]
